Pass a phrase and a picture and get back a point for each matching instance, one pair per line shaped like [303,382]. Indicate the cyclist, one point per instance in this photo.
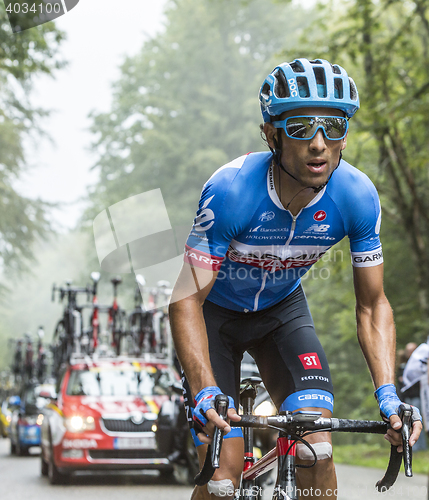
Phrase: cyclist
[264,219]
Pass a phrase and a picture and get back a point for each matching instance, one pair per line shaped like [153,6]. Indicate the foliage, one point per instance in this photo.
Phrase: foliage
[187,103]
[375,455]
[21,57]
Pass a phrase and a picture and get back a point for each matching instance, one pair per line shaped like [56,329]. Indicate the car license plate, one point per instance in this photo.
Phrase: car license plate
[142,443]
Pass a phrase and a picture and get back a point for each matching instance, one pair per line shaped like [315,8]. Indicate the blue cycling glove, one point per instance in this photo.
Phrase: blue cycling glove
[204,401]
[389,402]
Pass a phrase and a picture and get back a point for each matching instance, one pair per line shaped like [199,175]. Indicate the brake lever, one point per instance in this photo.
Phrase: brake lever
[221,406]
[405,414]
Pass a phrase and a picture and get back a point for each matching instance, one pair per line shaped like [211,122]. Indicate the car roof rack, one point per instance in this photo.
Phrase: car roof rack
[145,357]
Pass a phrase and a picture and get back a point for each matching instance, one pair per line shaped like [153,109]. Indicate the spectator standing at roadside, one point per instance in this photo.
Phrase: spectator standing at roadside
[403,355]
[415,368]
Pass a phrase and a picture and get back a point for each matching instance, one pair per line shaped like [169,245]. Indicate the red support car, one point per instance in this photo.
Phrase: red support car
[107,416]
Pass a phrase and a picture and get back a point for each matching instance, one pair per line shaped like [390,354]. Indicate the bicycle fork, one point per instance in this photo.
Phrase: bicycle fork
[285,488]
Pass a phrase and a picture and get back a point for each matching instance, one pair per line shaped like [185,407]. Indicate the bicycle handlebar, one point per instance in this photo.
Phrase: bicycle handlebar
[69,290]
[308,422]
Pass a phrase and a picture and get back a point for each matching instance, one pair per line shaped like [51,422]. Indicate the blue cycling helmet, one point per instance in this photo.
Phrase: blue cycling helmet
[303,83]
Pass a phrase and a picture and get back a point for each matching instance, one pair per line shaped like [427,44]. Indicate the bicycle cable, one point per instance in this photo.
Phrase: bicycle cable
[295,438]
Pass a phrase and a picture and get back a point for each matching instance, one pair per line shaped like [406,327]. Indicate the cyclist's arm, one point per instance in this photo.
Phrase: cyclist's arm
[376,332]
[375,325]
[188,326]
[189,334]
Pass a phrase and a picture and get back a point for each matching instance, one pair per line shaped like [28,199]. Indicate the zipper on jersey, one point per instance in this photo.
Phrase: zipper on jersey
[256,303]
[292,229]
[291,234]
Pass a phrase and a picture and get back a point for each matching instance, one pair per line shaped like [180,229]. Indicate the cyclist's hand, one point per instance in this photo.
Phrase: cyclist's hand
[389,402]
[206,418]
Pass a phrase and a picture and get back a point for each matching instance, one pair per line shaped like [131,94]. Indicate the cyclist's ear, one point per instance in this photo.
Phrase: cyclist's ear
[270,134]
[344,142]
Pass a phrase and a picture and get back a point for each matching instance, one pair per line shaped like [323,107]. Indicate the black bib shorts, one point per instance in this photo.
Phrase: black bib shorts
[283,342]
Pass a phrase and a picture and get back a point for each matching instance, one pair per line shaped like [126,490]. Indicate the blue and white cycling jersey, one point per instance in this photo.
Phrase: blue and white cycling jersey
[260,250]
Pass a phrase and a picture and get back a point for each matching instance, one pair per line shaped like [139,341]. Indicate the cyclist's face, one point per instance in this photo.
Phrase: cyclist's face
[311,161]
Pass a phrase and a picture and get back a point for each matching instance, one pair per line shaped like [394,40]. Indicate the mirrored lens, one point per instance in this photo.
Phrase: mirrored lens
[305,127]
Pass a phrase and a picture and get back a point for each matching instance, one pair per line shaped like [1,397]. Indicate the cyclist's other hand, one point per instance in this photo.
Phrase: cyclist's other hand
[389,403]
[205,416]
[416,419]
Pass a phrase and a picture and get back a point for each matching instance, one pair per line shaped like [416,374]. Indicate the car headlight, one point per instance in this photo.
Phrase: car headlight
[266,408]
[77,423]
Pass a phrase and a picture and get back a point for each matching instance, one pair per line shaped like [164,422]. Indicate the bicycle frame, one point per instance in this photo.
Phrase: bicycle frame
[116,318]
[69,329]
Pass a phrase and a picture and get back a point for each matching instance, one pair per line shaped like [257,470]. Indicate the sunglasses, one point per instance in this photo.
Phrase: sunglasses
[306,127]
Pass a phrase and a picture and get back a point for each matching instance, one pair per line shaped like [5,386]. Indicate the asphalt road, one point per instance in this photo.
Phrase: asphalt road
[20,478]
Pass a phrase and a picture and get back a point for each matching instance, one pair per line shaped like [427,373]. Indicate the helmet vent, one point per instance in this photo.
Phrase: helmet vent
[265,91]
[319,74]
[303,89]
[281,88]
[297,67]
[336,69]
[353,90]
[338,88]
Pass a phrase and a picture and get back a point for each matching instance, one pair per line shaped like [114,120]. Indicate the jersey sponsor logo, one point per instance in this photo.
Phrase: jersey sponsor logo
[310,361]
[267,216]
[202,260]
[274,262]
[271,178]
[205,219]
[312,236]
[318,228]
[269,238]
[319,215]
[367,259]
[282,230]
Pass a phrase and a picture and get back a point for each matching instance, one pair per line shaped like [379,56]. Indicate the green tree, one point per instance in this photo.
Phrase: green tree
[21,57]
[187,103]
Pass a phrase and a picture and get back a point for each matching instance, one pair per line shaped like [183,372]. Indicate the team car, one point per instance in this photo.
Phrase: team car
[113,413]
[24,431]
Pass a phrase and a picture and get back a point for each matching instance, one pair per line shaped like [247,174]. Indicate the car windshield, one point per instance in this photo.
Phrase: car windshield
[120,381]
[32,395]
